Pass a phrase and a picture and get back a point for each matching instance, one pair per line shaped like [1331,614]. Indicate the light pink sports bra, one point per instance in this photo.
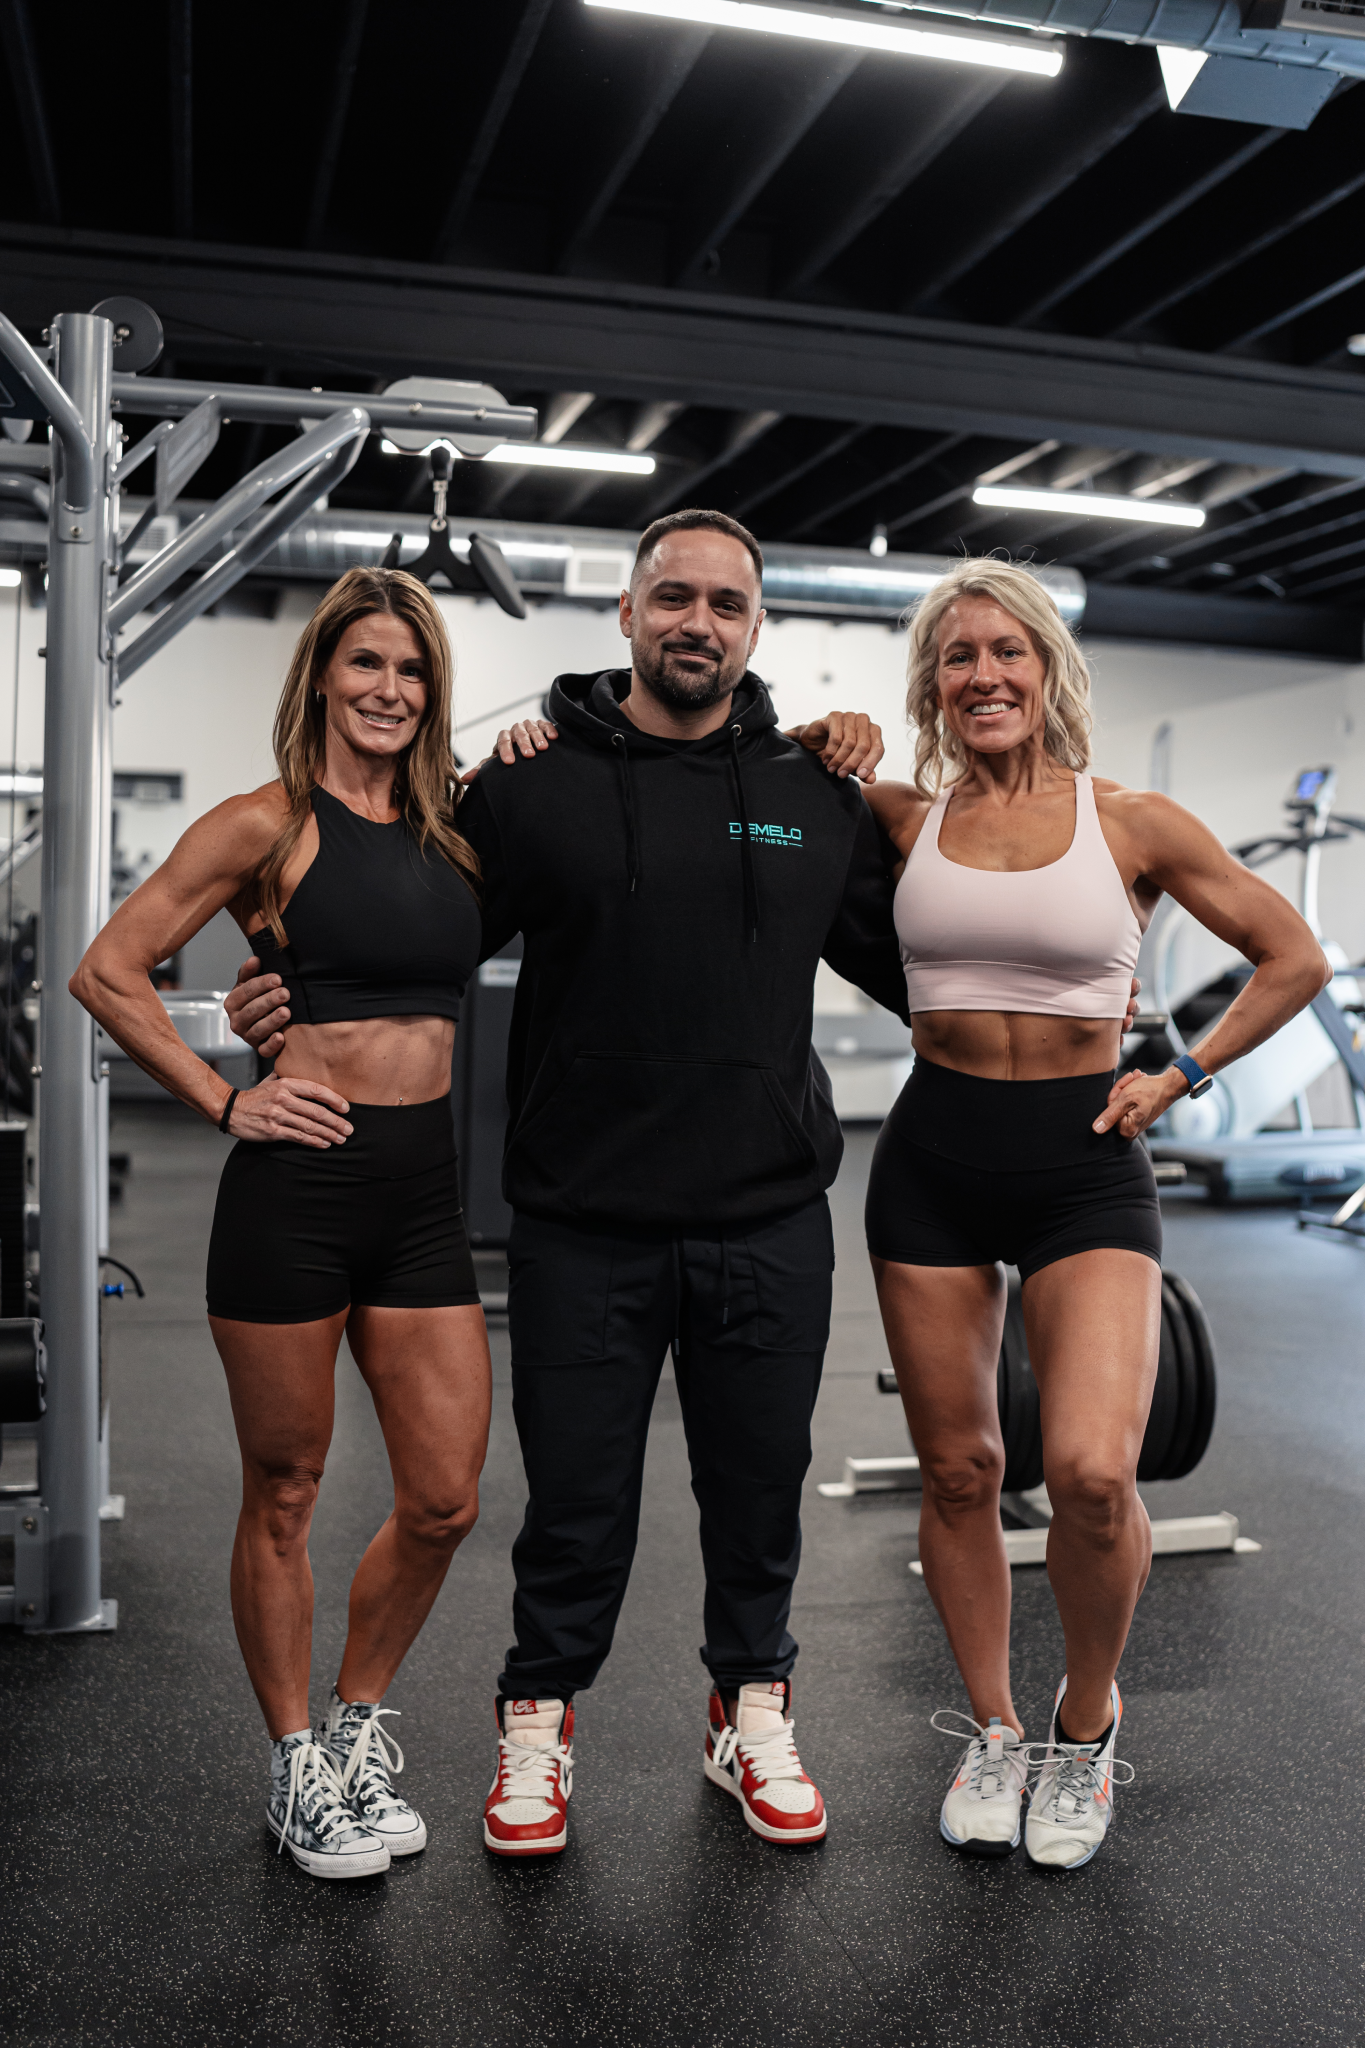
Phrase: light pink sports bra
[1061,940]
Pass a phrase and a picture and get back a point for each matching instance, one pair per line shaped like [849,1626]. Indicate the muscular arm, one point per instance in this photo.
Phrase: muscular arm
[209,869]
[1174,853]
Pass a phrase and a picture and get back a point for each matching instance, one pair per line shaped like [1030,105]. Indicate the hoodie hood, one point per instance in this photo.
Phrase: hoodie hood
[590,705]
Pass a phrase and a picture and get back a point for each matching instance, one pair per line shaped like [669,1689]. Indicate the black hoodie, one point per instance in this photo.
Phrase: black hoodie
[675,897]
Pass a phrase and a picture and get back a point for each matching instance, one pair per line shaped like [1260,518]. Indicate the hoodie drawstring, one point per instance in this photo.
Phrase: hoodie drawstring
[746,851]
[724,1282]
[622,753]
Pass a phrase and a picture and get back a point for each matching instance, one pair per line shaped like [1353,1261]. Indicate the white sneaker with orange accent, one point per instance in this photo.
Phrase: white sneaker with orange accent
[756,1762]
[982,1813]
[527,1809]
[1072,1802]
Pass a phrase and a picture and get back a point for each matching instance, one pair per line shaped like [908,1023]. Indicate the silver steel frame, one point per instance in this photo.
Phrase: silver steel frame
[87,611]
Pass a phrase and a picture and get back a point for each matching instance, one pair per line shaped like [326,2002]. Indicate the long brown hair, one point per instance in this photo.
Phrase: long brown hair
[426,786]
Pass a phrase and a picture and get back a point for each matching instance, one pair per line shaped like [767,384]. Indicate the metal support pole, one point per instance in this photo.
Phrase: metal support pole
[75,807]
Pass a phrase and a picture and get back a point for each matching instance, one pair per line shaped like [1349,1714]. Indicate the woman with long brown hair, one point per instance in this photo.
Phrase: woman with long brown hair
[339,1208]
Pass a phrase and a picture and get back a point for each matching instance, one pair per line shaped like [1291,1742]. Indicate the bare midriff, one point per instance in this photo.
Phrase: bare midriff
[382,1060]
[998,1045]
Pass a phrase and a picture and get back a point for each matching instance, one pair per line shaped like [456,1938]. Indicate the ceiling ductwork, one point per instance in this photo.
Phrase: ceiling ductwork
[1274,63]
[585,566]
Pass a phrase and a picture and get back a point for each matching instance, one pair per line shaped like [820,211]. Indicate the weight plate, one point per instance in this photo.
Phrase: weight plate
[1164,1411]
[1187,1383]
[1017,1393]
[1205,1390]
[138,339]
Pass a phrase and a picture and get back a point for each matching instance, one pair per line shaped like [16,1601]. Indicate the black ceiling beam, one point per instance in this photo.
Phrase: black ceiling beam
[672,63]
[1150,224]
[885,480]
[21,55]
[1061,172]
[826,452]
[338,108]
[519,53]
[1335,288]
[792,104]
[180,54]
[1247,251]
[1213,539]
[745,432]
[836,228]
[741,355]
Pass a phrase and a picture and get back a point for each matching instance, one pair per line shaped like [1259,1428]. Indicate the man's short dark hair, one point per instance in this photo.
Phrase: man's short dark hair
[693,521]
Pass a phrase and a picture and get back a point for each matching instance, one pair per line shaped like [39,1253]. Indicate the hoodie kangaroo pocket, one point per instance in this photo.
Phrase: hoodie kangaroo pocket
[649,1140]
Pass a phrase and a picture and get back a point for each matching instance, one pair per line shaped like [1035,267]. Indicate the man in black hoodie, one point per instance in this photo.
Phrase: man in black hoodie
[677,867]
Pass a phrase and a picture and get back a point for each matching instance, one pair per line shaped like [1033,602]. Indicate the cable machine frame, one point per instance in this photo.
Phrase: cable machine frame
[73,384]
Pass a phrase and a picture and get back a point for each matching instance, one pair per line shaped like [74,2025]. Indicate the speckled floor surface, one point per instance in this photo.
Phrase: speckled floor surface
[145,1905]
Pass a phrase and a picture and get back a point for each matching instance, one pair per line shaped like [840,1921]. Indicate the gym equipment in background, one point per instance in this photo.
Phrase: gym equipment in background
[1184,1403]
[78,383]
[485,572]
[1222,1140]
[478,1094]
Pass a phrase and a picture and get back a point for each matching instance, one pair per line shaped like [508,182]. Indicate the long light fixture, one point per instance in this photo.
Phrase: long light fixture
[826,25]
[536,455]
[1090,504]
[10,579]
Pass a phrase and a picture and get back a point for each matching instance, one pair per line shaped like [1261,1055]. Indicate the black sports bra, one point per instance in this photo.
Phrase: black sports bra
[376,928]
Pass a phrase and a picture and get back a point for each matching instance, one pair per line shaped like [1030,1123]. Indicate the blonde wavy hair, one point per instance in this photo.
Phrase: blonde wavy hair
[1066,679]
[426,786]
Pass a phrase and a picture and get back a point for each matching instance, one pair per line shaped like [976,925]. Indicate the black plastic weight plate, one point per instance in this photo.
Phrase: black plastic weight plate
[1199,1338]
[1187,1382]
[138,340]
[1017,1393]
[1184,1399]
[1163,1418]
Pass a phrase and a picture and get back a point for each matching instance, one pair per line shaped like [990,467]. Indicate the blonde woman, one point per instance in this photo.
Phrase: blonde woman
[339,1207]
[1023,888]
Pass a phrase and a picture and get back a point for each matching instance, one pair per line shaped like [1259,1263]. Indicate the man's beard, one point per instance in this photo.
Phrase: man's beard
[685,692]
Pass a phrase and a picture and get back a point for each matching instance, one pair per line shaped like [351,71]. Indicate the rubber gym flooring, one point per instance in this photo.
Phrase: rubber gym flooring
[146,1905]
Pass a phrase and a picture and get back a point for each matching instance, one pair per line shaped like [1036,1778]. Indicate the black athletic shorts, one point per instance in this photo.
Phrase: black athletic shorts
[969,1171]
[300,1234]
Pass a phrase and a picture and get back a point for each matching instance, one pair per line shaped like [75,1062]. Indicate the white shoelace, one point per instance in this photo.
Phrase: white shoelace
[530,1773]
[989,1780]
[770,1756]
[1075,1780]
[374,1754]
[317,1791]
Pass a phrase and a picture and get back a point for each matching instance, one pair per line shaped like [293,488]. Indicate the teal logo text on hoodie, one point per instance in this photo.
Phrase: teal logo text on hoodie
[769,835]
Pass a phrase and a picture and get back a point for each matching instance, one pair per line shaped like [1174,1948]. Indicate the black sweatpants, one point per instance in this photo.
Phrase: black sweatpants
[592,1318]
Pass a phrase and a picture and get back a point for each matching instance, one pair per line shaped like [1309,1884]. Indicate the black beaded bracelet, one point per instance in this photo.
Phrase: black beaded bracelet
[226,1118]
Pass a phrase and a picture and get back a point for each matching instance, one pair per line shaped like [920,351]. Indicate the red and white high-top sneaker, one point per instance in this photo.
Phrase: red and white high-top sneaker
[527,1809]
[756,1762]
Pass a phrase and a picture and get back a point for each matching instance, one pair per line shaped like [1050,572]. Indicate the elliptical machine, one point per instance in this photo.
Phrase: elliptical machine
[1223,1140]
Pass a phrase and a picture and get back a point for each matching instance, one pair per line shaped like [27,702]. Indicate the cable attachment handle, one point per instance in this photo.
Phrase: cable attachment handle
[442,462]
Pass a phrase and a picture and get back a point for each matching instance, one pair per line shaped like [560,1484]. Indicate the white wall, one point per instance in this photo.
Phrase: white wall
[1241,722]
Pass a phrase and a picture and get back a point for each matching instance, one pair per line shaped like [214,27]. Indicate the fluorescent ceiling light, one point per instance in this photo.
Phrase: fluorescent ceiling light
[820,25]
[1179,69]
[10,579]
[1089,504]
[536,455]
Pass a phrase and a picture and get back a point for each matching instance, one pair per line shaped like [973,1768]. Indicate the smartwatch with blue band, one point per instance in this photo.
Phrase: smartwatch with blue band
[1200,1082]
